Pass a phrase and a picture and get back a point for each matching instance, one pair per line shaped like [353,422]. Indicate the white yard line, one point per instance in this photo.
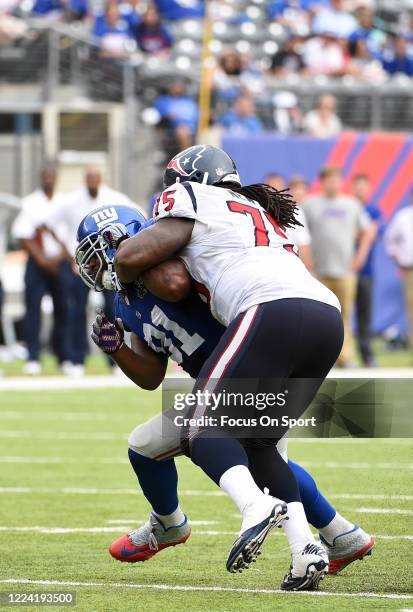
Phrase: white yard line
[357,465]
[212,589]
[128,525]
[60,435]
[187,492]
[61,383]
[116,460]
[56,416]
[388,511]
[96,435]
[65,460]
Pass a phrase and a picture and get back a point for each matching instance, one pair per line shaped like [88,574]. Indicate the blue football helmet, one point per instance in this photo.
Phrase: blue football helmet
[95,253]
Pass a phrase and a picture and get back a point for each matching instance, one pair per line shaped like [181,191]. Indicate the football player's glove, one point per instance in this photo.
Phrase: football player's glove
[109,337]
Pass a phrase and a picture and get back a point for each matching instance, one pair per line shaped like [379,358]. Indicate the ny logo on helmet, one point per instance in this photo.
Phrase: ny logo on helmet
[181,164]
[105,216]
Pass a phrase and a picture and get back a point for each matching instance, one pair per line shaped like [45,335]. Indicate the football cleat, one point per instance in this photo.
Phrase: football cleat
[348,547]
[247,547]
[307,569]
[146,541]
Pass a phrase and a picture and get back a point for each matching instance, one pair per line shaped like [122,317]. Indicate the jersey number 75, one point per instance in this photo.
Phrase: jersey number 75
[257,216]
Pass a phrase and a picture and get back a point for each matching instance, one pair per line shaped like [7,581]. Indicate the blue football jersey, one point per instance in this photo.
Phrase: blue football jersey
[185,331]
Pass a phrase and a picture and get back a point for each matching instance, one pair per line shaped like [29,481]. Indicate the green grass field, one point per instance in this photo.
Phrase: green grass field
[67,491]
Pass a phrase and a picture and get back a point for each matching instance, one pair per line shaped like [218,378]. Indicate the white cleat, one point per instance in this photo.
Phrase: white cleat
[260,518]
[32,368]
[348,547]
[307,569]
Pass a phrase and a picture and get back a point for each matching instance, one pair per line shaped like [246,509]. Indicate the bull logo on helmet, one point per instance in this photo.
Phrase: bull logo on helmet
[181,163]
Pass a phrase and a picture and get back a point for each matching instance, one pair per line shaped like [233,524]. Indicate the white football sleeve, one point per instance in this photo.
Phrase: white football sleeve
[178,200]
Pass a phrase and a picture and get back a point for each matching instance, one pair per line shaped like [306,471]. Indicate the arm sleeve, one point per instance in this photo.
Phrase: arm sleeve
[178,200]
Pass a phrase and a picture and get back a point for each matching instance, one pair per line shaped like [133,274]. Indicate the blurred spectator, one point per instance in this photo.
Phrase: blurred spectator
[334,19]
[340,241]
[288,59]
[9,208]
[180,9]
[361,188]
[153,37]
[398,240]
[130,10]
[70,9]
[9,6]
[11,29]
[362,64]
[242,118]
[325,55]
[45,270]
[300,235]
[225,79]
[323,122]
[398,58]
[366,31]
[295,15]
[275,180]
[288,118]
[115,33]
[67,216]
[178,113]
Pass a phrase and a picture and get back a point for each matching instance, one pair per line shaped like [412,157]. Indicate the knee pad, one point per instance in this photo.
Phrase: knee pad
[155,439]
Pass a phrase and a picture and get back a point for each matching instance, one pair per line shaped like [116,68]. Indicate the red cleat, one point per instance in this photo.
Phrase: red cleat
[348,547]
[145,542]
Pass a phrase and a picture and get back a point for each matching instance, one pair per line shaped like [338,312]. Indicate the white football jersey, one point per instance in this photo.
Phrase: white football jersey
[237,254]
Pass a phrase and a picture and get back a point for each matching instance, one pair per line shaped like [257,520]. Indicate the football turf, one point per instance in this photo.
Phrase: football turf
[67,491]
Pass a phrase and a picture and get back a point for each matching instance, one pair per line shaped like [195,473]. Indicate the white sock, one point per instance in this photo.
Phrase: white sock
[336,527]
[238,483]
[171,520]
[253,504]
[296,529]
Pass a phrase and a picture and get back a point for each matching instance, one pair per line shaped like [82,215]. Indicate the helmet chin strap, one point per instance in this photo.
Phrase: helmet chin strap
[205,179]
[109,278]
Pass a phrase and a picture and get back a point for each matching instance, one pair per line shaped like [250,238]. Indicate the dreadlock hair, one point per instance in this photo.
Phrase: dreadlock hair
[279,204]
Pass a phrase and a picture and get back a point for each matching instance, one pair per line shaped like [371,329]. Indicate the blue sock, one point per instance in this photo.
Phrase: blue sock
[317,509]
[158,480]
[217,455]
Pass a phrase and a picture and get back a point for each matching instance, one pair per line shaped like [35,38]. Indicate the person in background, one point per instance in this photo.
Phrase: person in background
[295,15]
[9,209]
[341,241]
[288,60]
[398,240]
[325,54]
[153,37]
[336,19]
[275,180]
[173,10]
[242,118]
[323,122]
[114,32]
[287,115]
[366,31]
[45,271]
[361,189]
[300,235]
[178,114]
[398,58]
[225,80]
[70,9]
[68,214]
